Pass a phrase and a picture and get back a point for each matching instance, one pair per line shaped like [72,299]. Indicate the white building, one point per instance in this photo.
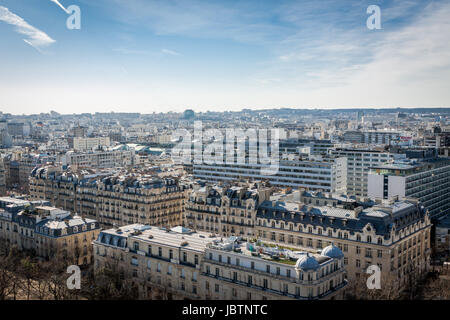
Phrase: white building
[90,144]
[427,180]
[358,164]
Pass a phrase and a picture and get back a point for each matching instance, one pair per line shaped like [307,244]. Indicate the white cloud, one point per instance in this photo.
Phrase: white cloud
[170,52]
[36,38]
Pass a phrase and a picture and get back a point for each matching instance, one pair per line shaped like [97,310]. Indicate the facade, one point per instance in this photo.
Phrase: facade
[89,144]
[390,234]
[312,172]
[358,164]
[182,264]
[100,159]
[47,231]
[2,178]
[427,180]
[442,238]
[394,236]
[227,210]
[112,198]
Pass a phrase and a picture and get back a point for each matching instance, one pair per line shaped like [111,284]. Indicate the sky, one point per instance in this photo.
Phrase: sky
[169,55]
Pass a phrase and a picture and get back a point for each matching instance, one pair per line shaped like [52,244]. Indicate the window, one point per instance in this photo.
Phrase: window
[249,296]
[182,274]
[216,287]
[250,280]
[196,259]
[358,237]
[170,254]
[158,268]
[136,246]
[184,257]
[358,263]
[238,262]
[379,253]
[134,261]
[369,239]
[380,241]
[160,251]
[288,273]
[252,265]
[358,250]
[217,272]
[268,268]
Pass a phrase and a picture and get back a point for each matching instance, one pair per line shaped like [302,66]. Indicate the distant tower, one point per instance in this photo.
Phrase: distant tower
[360,116]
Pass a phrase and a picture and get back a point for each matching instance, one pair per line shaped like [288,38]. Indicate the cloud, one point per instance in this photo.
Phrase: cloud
[170,52]
[35,37]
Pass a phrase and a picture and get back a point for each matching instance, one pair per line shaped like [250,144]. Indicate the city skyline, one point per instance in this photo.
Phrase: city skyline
[150,56]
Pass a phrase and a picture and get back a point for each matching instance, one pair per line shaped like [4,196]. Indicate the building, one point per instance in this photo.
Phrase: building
[359,161]
[2,178]
[182,264]
[47,231]
[442,237]
[89,144]
[314,172]
[225,210]
[394,235]
[426,179]
[113,198]
[99,159]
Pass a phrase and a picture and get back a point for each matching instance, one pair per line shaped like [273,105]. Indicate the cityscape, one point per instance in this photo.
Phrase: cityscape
[318,196]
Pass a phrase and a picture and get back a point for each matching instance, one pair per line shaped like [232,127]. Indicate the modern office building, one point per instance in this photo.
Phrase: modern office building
[359,161]
[99,159]
[313,172]
[182,264]
[427,180]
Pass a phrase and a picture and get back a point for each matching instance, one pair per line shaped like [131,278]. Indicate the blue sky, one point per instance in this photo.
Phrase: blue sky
[154,56]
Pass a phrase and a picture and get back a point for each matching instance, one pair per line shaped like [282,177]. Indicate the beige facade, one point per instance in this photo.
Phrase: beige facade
[180,264]
[394,236]
[50,232]
[112,199]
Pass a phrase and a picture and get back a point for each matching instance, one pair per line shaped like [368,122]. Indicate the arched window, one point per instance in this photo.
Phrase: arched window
[369,239]
[358,237]
[380,241]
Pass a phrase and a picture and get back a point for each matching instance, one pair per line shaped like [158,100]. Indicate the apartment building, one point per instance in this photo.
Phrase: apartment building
[47,231]
[314,172]
[99,159]
[359,161]
[225,210]
[394,235]
[389,234]
[81,144]
[113,198]
[182,264]
[2,178]
[427,180]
